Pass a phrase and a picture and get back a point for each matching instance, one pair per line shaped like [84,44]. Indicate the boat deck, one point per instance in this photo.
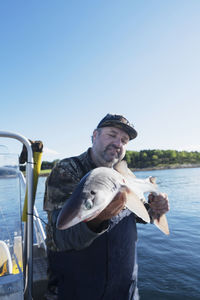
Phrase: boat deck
[39,273]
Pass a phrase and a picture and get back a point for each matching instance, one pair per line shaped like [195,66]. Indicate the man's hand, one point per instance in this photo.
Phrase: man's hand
[159,205]
[113,209]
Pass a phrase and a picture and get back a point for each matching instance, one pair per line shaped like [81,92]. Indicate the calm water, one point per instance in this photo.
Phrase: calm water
[169,266]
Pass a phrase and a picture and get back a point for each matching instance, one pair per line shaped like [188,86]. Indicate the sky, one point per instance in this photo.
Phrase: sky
[65,64]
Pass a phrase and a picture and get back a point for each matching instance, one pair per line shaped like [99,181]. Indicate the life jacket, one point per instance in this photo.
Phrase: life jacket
[106,270]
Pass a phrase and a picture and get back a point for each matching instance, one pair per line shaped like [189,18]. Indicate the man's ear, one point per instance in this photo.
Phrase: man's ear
[94,135]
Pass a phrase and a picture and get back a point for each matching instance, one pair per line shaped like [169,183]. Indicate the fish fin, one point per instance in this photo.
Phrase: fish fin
[123,169]
[162,224]
[136,206]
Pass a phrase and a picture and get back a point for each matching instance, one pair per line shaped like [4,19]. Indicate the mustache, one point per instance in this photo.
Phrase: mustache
[118,149]
[112,146]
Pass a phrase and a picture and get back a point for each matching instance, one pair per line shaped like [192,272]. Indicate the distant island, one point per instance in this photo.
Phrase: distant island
[8,171]
[149,160]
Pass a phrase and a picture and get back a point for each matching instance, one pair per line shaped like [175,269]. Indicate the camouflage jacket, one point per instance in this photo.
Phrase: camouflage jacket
[60,184]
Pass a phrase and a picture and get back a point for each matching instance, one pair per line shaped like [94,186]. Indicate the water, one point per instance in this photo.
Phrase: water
[10,207]
[169,266]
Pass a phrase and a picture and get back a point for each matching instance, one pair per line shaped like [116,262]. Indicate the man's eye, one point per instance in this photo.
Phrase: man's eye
[112,135]
[124,142]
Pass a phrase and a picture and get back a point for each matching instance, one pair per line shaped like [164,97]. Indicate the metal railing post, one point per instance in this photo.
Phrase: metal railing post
[29,230]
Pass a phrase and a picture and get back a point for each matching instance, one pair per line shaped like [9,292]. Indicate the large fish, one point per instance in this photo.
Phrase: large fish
[98,188]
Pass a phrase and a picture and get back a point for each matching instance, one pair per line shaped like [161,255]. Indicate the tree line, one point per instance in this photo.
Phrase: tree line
[151,158]
[47,165]
[161,158]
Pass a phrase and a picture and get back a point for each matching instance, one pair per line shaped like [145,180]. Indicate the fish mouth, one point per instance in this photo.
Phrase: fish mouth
[71,208]
[67,215]
[72,214]
[92,216]
[70,218]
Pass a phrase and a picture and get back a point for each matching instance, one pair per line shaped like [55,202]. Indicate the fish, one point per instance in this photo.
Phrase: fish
[99,187]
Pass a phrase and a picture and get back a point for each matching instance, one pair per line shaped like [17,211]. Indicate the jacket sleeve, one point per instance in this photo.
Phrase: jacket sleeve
[60,184]
[76,237]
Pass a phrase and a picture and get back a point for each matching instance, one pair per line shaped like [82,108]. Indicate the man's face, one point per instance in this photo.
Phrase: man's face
[109,146]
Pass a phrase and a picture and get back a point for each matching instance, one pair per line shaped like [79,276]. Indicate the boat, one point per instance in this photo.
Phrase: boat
[23,252]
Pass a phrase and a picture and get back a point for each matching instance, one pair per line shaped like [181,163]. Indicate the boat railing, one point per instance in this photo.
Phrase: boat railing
[28,226]
[39,230]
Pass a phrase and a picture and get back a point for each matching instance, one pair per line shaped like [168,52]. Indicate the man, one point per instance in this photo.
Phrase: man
[95,260]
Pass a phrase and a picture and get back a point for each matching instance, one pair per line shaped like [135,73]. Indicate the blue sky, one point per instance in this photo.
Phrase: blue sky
[65,64]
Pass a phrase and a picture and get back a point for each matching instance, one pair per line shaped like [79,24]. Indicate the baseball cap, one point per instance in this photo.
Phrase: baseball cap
[120,122]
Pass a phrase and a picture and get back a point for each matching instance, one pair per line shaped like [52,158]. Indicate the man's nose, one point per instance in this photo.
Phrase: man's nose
[118,142]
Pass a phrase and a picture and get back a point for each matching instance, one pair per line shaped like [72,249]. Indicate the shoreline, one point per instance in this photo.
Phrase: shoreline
[169,167]
[184,166]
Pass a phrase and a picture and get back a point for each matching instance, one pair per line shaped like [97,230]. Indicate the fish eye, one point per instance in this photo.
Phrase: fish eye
[89,204]
[92,192]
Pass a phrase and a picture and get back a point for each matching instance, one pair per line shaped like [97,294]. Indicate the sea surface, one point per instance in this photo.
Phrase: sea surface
[169,266]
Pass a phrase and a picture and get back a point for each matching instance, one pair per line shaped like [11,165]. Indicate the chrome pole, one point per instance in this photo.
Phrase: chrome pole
[29,232]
